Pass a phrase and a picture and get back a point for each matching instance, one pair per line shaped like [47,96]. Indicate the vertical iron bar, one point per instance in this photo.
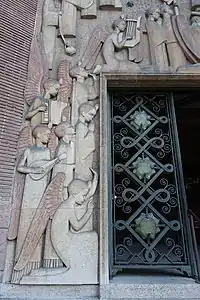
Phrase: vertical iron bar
[110,183]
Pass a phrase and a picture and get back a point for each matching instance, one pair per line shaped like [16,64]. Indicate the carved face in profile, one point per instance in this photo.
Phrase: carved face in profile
[44,136]
[195,20]
[122,26]
[89,115]
[82,194]
[69,135]
[156,14]
[54,89]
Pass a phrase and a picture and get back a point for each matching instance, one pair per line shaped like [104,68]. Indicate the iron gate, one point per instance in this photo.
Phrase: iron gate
[150,226]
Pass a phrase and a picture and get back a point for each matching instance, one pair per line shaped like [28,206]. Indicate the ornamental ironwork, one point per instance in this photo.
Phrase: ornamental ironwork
[148,211]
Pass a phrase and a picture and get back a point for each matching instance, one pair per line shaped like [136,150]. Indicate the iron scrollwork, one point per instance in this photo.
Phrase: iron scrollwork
[146,210]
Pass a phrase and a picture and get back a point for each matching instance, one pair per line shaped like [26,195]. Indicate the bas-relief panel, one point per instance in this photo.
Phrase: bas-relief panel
[55,214]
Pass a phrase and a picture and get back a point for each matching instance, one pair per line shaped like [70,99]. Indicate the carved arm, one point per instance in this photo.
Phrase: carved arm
[93,187]
[117,43]
[35,108]
[22,168]
[78,224]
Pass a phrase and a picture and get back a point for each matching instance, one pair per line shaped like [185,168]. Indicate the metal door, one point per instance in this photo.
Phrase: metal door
[148,210]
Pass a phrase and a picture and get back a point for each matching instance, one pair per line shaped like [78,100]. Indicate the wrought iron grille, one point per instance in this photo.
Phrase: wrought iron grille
[149,210]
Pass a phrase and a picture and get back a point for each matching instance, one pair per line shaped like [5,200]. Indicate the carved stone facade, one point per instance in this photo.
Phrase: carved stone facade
[52,198]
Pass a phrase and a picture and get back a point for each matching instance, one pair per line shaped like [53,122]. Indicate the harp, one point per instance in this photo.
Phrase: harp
[133,35]
[132,32]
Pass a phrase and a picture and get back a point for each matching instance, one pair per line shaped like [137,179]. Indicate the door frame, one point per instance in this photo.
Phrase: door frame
[123,80]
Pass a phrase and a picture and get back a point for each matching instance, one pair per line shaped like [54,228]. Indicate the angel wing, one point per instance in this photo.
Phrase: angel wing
[186,38]
[65,81]
[37,70]
[94,47]
[50,202]
[25,140]
[53,142]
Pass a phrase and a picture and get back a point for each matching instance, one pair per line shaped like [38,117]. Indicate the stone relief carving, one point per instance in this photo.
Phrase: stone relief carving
[78,250]
[49,28]
[117,41]
[36,163]
[188,38]
[49,166]
[54,231]
[84,89]
[157,39]
[175,53]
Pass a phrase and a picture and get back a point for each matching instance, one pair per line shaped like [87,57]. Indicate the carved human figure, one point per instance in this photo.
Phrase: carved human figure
[188,37]
[85,147]
[38,111]
[49,28]
[66,134]
[113,43]
[83,89]
[78,250]
[157,39]
[85,141]
[36,163]
[175,53]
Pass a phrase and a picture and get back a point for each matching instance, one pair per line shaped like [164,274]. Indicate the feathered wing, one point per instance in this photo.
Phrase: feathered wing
[94,47]
[50,202]
[37,70]
[184,35]
[25,140]
[65,81]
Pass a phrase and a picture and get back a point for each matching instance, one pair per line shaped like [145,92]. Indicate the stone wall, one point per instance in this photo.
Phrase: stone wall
[37,67]
[17,20]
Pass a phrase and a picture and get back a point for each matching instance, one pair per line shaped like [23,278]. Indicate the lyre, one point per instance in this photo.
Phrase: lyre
[132,32]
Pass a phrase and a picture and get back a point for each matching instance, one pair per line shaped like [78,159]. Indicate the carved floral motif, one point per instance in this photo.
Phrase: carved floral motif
[141,120]
[147,226]
[144,168]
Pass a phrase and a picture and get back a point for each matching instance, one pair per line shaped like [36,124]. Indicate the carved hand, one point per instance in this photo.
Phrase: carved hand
[62,156]
[38,170]
[91,126]
[90,204]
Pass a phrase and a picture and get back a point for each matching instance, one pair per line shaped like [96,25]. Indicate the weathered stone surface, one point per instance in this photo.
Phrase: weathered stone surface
[68,227]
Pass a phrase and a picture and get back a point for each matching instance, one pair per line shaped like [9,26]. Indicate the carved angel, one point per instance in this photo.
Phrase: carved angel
[39,89]
[65,241]
[188,36]
[36,163]
[116,41]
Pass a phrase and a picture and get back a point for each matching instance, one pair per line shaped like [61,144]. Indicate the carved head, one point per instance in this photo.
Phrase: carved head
[167,9]
[42,133]
[65,131]
[78,187]
[195,21]
[88,111]
[120,24]
[78,71]
[52,87]
[154,13]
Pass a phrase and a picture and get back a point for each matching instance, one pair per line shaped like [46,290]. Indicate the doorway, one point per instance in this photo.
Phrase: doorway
[187,107]
[150,229]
